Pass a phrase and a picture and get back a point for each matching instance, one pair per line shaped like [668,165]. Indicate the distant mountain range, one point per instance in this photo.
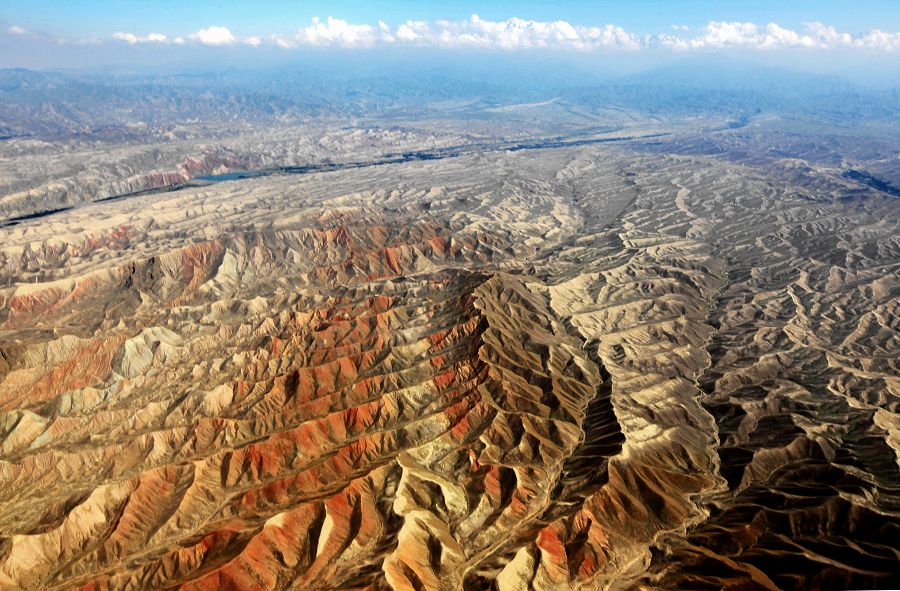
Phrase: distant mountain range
[48,104]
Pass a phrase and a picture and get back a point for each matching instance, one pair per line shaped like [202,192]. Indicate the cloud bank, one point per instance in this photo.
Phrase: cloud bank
[730,35]
[214,35]
[521,34]
[514,33]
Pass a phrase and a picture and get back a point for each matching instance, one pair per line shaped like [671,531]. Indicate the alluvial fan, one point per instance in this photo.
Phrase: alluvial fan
[578,368]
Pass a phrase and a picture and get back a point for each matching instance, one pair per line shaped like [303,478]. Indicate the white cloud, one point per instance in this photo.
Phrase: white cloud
[131,38]
[17,30]
[332,32]
[126,37]
[384,32]
[214,35]
[411,31]
[730,35]
[828,36]
[282,42]
[253,41]
[878,40]
[725,34]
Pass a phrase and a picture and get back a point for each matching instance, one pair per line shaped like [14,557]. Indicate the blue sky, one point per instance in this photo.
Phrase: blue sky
[102,17]
[94,33]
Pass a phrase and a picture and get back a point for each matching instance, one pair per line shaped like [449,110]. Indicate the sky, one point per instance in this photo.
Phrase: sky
[91,33]
[104,17]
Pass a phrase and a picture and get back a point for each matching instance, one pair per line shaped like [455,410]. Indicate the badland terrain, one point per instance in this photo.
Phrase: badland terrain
[447,339]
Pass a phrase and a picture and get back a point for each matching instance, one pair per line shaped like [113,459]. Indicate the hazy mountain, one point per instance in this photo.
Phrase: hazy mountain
[59,103]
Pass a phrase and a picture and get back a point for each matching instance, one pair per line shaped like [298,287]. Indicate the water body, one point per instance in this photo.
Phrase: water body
[228,176]
[871,181]
[391,158]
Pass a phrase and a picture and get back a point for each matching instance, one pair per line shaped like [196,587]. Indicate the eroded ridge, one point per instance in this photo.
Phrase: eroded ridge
[803,383]
[367,427]
[578,369]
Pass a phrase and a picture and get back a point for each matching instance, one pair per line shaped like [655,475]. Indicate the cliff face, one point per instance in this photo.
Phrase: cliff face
[574,369]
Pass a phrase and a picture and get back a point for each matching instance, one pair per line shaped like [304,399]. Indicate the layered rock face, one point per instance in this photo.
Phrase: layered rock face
[579,368]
